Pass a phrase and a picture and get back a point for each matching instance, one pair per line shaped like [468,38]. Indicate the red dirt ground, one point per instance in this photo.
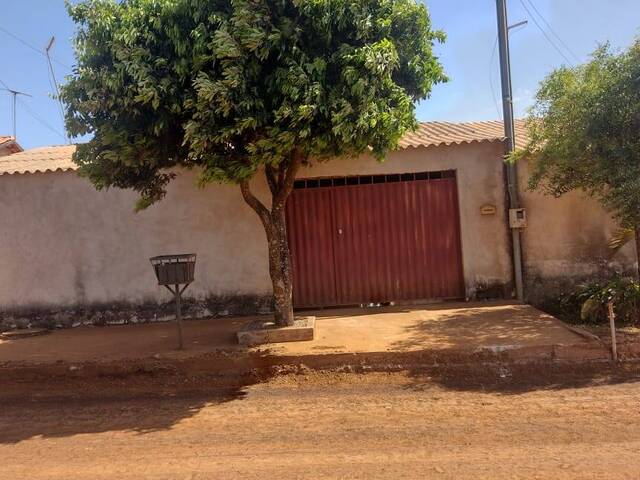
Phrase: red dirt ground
[502,422]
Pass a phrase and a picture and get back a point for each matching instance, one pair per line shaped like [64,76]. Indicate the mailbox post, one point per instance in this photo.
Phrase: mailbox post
[175,273]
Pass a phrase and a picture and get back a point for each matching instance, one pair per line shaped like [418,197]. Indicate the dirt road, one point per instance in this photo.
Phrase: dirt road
[329,425]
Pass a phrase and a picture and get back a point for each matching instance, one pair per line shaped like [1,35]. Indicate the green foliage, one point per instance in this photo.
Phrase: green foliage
[589,302]
[584,132]
[233,85]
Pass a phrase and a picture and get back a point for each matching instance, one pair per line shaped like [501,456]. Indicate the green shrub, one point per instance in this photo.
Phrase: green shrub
[593,298]
[588,302]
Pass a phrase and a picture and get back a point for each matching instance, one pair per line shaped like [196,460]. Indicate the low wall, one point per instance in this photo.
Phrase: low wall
[67,248]
[566,242]
[72,255]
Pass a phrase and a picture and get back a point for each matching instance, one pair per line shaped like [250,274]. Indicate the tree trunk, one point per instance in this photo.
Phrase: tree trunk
[280,183]
[280,268]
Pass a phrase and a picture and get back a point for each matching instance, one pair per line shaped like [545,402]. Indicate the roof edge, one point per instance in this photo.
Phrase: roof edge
[452,143]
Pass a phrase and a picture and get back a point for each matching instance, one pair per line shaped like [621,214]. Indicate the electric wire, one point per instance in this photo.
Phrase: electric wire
[54,85]
[493,91]
[542,30]
[41,120]
[31,46]
[553,32]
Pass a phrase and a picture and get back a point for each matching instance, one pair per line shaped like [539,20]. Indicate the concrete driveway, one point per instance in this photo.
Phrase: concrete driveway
[445,326]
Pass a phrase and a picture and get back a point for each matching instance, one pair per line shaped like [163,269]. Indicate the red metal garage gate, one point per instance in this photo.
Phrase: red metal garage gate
[373,239]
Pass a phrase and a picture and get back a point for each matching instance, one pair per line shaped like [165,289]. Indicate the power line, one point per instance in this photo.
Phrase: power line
[549,39]
[553,32]
[493,91]
[31,46]
[40,120]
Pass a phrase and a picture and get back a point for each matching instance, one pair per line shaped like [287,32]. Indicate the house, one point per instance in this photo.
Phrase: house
[429,223]
[8,145]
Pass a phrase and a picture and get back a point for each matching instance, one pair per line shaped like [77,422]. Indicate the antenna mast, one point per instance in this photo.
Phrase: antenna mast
[15,94]
[55,82]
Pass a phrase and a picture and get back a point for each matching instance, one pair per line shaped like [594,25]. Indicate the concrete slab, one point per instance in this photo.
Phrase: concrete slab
[459,326]
[452,327]
[263,332]
[23,333]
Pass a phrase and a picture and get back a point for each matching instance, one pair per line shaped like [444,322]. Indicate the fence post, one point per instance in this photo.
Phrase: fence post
[612,325]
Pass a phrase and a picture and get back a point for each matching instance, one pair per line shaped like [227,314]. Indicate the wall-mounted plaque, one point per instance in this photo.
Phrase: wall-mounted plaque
[488,209]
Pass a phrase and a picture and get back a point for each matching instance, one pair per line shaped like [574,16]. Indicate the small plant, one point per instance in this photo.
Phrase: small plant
[623,292]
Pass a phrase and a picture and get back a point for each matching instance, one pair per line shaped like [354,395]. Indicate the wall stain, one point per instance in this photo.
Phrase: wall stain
[123,313]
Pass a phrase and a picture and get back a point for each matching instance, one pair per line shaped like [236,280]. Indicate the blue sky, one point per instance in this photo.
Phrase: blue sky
[467,55]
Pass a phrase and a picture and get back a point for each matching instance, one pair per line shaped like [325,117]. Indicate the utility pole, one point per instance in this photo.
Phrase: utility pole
[15,94]
[509,133]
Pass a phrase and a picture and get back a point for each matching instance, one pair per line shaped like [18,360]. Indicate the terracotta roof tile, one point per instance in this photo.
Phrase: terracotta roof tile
[41,159]
[428,134]
[432,134]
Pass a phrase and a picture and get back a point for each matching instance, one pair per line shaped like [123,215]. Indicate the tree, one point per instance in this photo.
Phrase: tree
[585,134]
[239,88]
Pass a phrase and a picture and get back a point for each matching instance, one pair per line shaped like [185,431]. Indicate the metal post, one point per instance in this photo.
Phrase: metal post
[509,133]
[171,272]
[15,94]
[179,316]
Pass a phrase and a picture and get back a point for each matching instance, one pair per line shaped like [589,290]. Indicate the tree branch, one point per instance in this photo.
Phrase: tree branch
[274,184]
[257,205]
[282,169]
[289,176]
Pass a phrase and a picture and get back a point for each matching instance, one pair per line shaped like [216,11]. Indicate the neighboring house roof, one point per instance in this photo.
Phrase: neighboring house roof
[40,159]
[428,134]
[8,145]
[433,134]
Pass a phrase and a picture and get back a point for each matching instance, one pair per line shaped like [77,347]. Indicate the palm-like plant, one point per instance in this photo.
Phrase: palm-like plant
[620,238]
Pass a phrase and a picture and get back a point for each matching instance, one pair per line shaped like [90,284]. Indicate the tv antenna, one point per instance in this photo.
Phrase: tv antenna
[15,94]
[47,50]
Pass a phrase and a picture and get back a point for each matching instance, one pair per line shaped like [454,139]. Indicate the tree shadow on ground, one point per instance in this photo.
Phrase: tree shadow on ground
[152,403]
[471,327]
[141,403]
[516,379]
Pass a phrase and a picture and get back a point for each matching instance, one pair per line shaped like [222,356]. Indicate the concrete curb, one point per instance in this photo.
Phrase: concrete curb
[585,334]
[226,364]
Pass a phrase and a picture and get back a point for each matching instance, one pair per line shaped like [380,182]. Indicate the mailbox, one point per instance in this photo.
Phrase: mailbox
[171,272]
[174,269]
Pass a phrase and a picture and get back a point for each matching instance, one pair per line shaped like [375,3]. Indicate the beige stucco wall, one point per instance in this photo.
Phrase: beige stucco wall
[63,243]
[566,239]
